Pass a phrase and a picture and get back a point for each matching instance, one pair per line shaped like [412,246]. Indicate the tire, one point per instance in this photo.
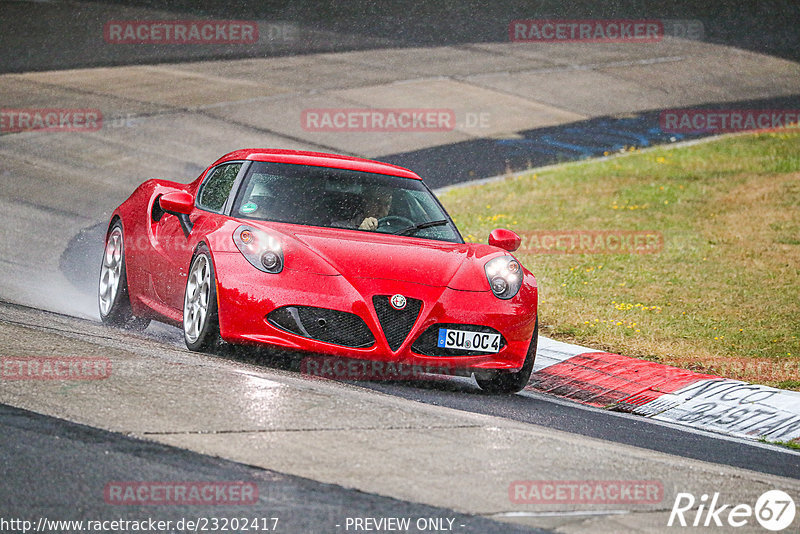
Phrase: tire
[503,382]
[112,294]
[200,313]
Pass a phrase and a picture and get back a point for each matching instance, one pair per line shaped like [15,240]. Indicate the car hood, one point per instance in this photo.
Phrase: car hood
[354,254]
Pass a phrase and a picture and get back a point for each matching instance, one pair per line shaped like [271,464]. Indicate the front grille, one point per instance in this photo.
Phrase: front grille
[322,324]
[396,324]
[427,342]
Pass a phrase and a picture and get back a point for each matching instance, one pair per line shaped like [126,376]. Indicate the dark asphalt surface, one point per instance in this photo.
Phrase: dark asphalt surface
[544,410]
[539,409]
[482,158]
[766,26]
[54,469]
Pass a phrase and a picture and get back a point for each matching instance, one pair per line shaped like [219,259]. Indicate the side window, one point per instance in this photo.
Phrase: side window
[216,188]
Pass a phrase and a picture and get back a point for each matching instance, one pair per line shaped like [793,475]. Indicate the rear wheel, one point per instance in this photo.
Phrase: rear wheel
[200,314]
[113,298]
[505,382]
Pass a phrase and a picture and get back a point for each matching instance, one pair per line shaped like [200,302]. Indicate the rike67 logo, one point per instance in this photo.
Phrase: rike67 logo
[774,510]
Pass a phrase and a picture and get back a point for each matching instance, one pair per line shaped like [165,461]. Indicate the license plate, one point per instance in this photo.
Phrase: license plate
[463,339]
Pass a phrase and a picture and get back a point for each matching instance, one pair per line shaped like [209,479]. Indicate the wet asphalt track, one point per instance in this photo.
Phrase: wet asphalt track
[538,409]
[58,470]
[51,467]
[551,412]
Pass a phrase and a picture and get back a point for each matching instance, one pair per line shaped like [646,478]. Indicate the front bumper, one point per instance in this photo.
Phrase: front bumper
[246,297]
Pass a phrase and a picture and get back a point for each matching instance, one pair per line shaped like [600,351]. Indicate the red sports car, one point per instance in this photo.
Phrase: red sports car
[325,254]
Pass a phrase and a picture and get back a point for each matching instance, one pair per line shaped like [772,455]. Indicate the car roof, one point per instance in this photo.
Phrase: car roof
[317,159]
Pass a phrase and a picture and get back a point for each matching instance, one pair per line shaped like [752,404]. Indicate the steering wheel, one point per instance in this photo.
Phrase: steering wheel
[395,222]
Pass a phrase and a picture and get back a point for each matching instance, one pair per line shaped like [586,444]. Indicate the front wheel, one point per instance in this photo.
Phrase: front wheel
[504,382]
[200,314]
[113,298]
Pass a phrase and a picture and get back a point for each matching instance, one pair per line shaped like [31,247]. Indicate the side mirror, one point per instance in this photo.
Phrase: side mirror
[177,203]
[505,239]
[180,204]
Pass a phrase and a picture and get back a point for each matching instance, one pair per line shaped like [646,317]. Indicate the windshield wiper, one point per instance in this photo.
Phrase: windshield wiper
[411,230]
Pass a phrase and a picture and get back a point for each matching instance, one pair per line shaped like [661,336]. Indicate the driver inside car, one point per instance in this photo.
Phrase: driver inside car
[377,202]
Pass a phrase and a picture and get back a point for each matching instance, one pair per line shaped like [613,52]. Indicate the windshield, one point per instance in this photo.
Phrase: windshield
[338,198]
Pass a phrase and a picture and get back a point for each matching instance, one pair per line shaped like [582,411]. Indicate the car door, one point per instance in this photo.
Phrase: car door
[170,264]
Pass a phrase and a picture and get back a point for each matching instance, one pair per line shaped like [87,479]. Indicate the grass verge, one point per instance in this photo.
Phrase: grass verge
[723,294]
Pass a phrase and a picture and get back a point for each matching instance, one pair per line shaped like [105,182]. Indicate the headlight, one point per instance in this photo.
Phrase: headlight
[263,251]
[505,276]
